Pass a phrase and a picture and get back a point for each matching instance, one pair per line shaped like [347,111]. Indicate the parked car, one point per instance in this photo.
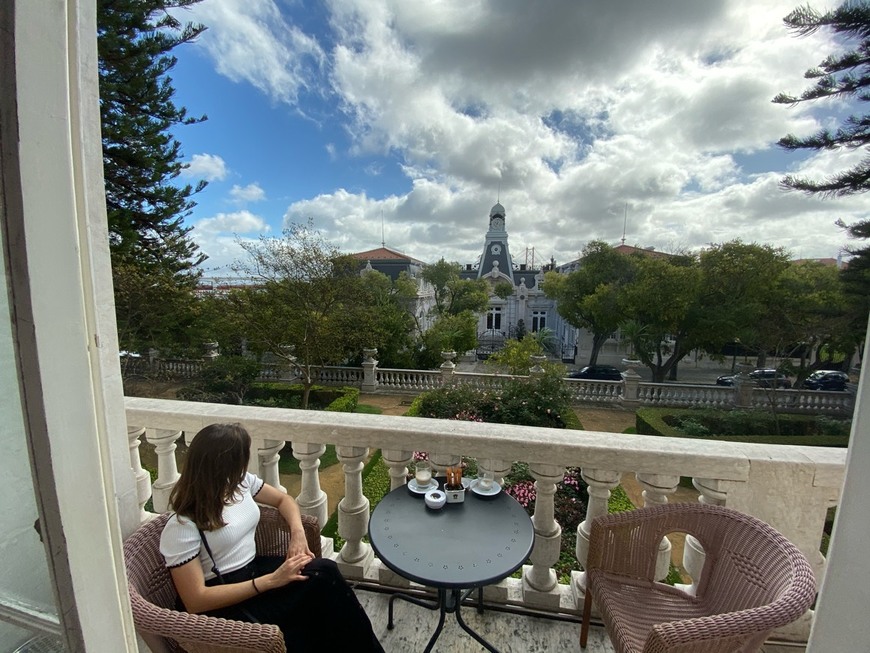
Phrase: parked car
[597,372]
[763,378]
[826,380]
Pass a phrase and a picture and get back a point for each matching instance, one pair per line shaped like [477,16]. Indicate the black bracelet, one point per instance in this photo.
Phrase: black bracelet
[255,585]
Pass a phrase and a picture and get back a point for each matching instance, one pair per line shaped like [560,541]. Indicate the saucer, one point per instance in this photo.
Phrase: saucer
[494,489]
[422,489]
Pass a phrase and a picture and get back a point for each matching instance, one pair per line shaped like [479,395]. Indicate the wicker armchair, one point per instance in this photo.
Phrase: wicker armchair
[754,580]
[153,596]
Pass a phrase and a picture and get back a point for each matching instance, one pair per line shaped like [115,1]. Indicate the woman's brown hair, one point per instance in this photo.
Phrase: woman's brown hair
[216,463]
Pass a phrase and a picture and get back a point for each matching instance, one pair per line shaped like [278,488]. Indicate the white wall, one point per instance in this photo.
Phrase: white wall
[841,622]
[64,335]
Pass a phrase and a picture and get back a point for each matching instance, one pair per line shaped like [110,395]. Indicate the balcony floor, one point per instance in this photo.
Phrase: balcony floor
[507,632]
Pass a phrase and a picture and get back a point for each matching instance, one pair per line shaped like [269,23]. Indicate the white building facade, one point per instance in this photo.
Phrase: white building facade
[526,308]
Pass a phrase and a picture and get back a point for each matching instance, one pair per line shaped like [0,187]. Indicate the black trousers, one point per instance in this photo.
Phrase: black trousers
[318,614]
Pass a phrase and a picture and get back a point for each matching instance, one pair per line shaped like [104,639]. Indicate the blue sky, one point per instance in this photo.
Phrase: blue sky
[407,121]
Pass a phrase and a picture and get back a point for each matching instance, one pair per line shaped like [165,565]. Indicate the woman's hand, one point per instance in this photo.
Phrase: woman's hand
[289,572]
[299,546]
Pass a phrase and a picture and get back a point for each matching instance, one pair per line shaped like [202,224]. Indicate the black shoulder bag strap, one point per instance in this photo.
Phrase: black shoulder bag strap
[251,618]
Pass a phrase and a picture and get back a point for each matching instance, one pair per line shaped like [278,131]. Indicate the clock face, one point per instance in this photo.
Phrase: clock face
[495,249]
[497,223]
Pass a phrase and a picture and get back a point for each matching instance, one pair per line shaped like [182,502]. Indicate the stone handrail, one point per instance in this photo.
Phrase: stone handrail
[768,481]
[630,392]
[586,390]
[697,396]
[482,381]
[414,381]
[341,376]
[804,401]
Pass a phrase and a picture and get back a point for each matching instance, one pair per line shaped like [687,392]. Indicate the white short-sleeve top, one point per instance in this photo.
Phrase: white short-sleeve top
[232,545]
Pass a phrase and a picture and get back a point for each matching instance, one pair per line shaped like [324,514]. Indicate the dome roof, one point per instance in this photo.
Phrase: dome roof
[498,209]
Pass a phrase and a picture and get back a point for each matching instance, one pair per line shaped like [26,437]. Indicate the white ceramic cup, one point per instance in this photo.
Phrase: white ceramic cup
[423,473]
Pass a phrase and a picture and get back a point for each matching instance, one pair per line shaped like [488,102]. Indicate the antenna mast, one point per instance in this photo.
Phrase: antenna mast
[383,239]
[624,222]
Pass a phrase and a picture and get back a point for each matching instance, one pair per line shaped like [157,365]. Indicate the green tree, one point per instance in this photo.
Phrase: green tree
[453,294]
[154,308]
[816,314]
[449,333]
[458,302]
[740,292]
[515,357]
[664,302]
[588,298]
[839,77]
[503,289]
[141,163]
[391,322]
[309,305]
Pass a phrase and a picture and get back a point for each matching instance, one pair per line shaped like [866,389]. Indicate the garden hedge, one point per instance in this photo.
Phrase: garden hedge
[342,400]
[797,429]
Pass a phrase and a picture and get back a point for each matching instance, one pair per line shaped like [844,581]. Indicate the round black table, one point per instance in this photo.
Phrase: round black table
[459,548]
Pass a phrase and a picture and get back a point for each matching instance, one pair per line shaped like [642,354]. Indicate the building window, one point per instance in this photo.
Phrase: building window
[493,318]
[539,320]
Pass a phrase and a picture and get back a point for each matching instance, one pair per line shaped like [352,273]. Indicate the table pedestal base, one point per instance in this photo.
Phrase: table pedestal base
[448,601]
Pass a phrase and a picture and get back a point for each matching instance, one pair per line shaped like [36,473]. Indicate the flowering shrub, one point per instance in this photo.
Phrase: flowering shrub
[529,402]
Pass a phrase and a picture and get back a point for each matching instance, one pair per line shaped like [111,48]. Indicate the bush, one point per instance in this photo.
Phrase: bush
[289,395]
[224,380]
[527,402]
[346,402]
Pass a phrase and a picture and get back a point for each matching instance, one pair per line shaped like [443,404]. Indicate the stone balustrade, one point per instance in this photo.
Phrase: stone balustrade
[789,487]
[630,392]
[340,376]
[410,381]
[694,396]
[585,390]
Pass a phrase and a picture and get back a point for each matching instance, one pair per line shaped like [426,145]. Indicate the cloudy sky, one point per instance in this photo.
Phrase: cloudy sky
[405,121]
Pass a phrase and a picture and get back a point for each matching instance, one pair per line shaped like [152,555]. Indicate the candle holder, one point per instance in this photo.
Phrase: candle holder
[453,487]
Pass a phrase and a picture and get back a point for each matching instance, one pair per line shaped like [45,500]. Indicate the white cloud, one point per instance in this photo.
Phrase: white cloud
[218,237]
[571,113]
[241,222]
[210,167]
[250,41]
[250,193]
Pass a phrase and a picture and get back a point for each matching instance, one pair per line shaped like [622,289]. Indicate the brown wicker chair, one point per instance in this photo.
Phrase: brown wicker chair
[153,596]
[753,580]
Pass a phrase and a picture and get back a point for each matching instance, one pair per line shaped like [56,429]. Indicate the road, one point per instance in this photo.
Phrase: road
[689,370]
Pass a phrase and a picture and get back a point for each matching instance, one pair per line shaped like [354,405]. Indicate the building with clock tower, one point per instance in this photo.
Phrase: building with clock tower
[526,308]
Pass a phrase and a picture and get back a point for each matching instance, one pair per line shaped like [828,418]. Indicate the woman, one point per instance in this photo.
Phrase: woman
[208,545]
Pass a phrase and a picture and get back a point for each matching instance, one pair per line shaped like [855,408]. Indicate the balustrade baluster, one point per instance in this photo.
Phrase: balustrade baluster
[269,457]
[540,578]
[312,499]
[143,478]
[600,482]
[398,462]
[657,489]
[710,492]
[167,469]
[441,461]
[353,514]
